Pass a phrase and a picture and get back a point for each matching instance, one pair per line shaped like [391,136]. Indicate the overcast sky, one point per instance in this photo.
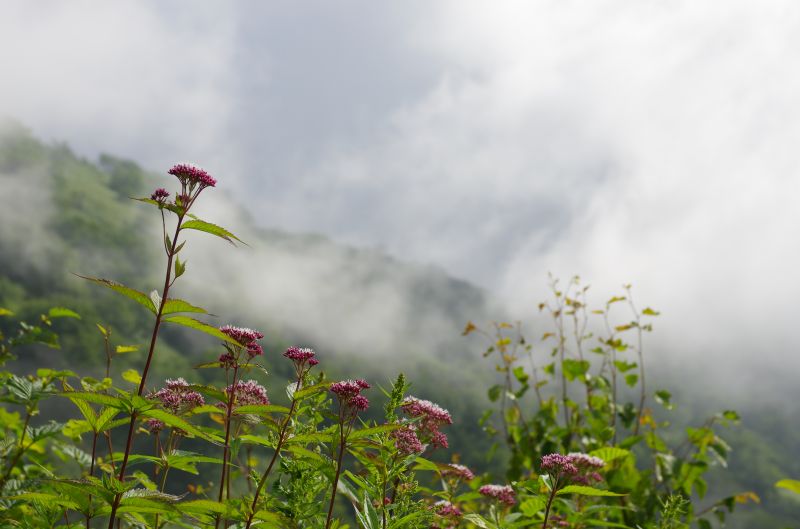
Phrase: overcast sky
[652,142]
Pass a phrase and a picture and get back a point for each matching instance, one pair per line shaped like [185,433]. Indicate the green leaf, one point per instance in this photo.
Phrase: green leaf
[650,312]
[366,432]
[213,229]
[139,297]
[178,305]
[575,368]
[5,312]
[47,499]
[533,505]
[97,398]
[177,422]
[202,507]
[202,327]
[122,349]
[261,409]
[63,312]
[663,397]
[310,390]
[789,484]
[583,490]
[180,267]
[610,453]
[132,376]
[631,379]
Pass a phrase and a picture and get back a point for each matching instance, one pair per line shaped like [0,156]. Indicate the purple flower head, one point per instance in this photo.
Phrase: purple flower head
[430,417]
[346,389]
[178,397]
[502,493]
[253,350]
[160,195]
[242,335]
[154,425]
[227,360]
[349,394]
[406,441]
[447,510]
[246,393]
[457,471]
[312,362]
[575,467]
[299,354]
[192,175]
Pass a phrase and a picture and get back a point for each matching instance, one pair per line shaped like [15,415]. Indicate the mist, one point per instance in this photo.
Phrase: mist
[649,144]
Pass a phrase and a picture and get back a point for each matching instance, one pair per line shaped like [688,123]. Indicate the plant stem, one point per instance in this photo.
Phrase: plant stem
[342,440]
[226,448]
[153,339]
[550,503]
[281,439]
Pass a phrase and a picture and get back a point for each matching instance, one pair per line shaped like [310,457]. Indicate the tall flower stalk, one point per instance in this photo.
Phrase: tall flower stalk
[193,180]
[351,402]
[304,360]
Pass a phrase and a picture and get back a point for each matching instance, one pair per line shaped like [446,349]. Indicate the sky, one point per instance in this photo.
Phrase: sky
[648,142]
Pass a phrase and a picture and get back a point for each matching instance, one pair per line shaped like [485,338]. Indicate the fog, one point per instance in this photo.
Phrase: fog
[650,144]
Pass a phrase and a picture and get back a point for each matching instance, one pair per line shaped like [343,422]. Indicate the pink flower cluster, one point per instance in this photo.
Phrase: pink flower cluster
[178,397]
[449,515]
[246,338]
[457,471]
[502,493]
[349,393]
[430,417]
[575,467]
[160,195]
[190,175]
[154,425]
[301,355]
[246,393]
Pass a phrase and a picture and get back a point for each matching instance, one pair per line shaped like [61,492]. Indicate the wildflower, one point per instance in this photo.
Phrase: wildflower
[160,195]
[154,425]
[349,394]
[227,360]
[303,359]
[191,175]
[457,471]
[430,417]
[178,397]
[246,393]
[502,493]
[299,354]
[406,441]
[575,467]
[242,335]
[253,349]
[446,509]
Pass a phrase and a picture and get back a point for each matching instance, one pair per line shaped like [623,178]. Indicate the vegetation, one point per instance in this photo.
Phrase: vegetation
[583,445]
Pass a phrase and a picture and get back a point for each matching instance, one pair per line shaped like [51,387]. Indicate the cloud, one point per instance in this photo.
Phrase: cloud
[650,143]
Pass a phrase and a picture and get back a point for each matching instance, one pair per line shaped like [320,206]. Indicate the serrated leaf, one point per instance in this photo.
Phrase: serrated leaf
[583,490]
[200,326]
[47,499]
[63,312]
[139,297]
[178,305]
[213,229]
